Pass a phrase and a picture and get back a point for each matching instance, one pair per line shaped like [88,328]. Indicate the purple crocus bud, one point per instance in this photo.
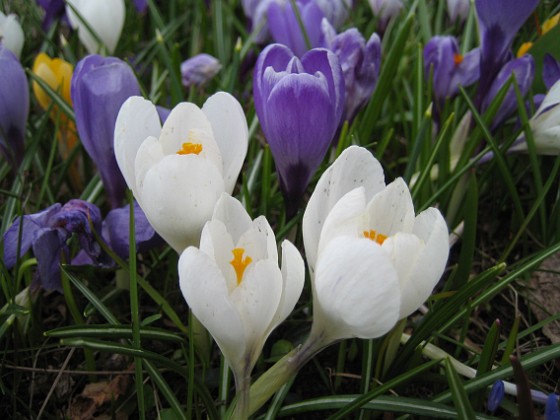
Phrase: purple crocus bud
[141,5]
[360,62]
[496,396]
[285,28]
[523,69]
[458,9]
[449,68]
[551,71]
[498,23]
[14,107]
[299,104]
[552,412]
[116,229]
[198,70]
[100,85]
[47,232]
[54,9]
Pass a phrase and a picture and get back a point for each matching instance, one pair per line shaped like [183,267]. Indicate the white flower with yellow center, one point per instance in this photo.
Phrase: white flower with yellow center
[233,283]
[372,260]
[177,172]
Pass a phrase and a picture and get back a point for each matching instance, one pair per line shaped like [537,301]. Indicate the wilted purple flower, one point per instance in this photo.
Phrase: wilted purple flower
[458,9]
[385,10]
[552,411]
[198,70]
[496,396]
[47,232]
[116,229]
[14,107]
[285,28]
[449,68]
[54,9]
[523,70]
[498,22]
[551,71]
[100,85]
[359,61]
[299,104]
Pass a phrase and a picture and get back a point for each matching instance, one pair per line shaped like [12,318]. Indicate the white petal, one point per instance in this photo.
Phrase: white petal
[356,289]
[552,98]
[259,241]
[205,291]
[216,241]
[230,132]
[137,120]
[392,210]
[231,213]
[178,197]
[148,155]
[11,33]
[354,167]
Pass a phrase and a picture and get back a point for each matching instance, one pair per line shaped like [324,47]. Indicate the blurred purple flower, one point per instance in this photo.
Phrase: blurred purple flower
[47,232]
[54,9]
[299,104]
[336,11]
[141,5]
[198,70]
[360,62]
[450,68]
[551,411]
[384,11]
[100,85]
[551,71]
[14,107]
[498,22]
[116,229]
[285,28]
[496,396]
[523,70]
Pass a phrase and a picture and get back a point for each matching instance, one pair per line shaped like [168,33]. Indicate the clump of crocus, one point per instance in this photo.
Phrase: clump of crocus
[359,60]
[99,88]
[11,34]
[105,19]
[14,107]
[177,172]
[299,104]
[48,233]
[236,289]
[199,70]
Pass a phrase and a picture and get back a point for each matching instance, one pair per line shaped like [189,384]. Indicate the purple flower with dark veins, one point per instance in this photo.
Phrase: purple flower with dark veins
[100,85]
[299,104]
[47,233]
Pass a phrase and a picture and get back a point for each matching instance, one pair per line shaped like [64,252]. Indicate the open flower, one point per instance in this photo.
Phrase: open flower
[177,172]
[299,104]
[47,232]
[11,34]
[14,107]
[234,286]
[372,260]
[104,17]
[99,88]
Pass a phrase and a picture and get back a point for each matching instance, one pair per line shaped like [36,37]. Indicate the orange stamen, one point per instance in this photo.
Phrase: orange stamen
[374,236]
[190,148]
[239,263]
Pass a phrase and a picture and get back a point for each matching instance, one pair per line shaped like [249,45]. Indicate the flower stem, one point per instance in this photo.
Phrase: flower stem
[242,388]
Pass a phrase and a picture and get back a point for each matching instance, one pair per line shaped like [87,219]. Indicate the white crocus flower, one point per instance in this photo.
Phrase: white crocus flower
[545,125]
[233,284]
[389,259]
[104,17]
[178,172]
[11,34]
[458,9]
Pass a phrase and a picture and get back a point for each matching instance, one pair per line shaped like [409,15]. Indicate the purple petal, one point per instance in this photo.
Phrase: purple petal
[496,396]
[551,70]
[100,85]
[47,247]
[141,5]
[200,69]
[552,411]
[54,9]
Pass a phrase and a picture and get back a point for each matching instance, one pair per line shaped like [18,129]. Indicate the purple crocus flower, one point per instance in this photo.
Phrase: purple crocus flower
[47,232]
[116,231]
[551,71]
[100,85]
[299,104]
[14,107]
[141,5]
[449,68]
[285,28]
[496,396]
[54,9]
[552,411]
[198,70]
[498,21]
[359,61]
[523,69]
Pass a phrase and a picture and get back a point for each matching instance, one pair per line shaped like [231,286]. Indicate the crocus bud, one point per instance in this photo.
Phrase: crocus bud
[496,396]
[11,34]
[234,285]
[299,104]
[104,17]
[458,9]
[360,62]
[177,172]
[286,29]
[99,88]
[385,10]
[200,69]
[54,9]
[14,107]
